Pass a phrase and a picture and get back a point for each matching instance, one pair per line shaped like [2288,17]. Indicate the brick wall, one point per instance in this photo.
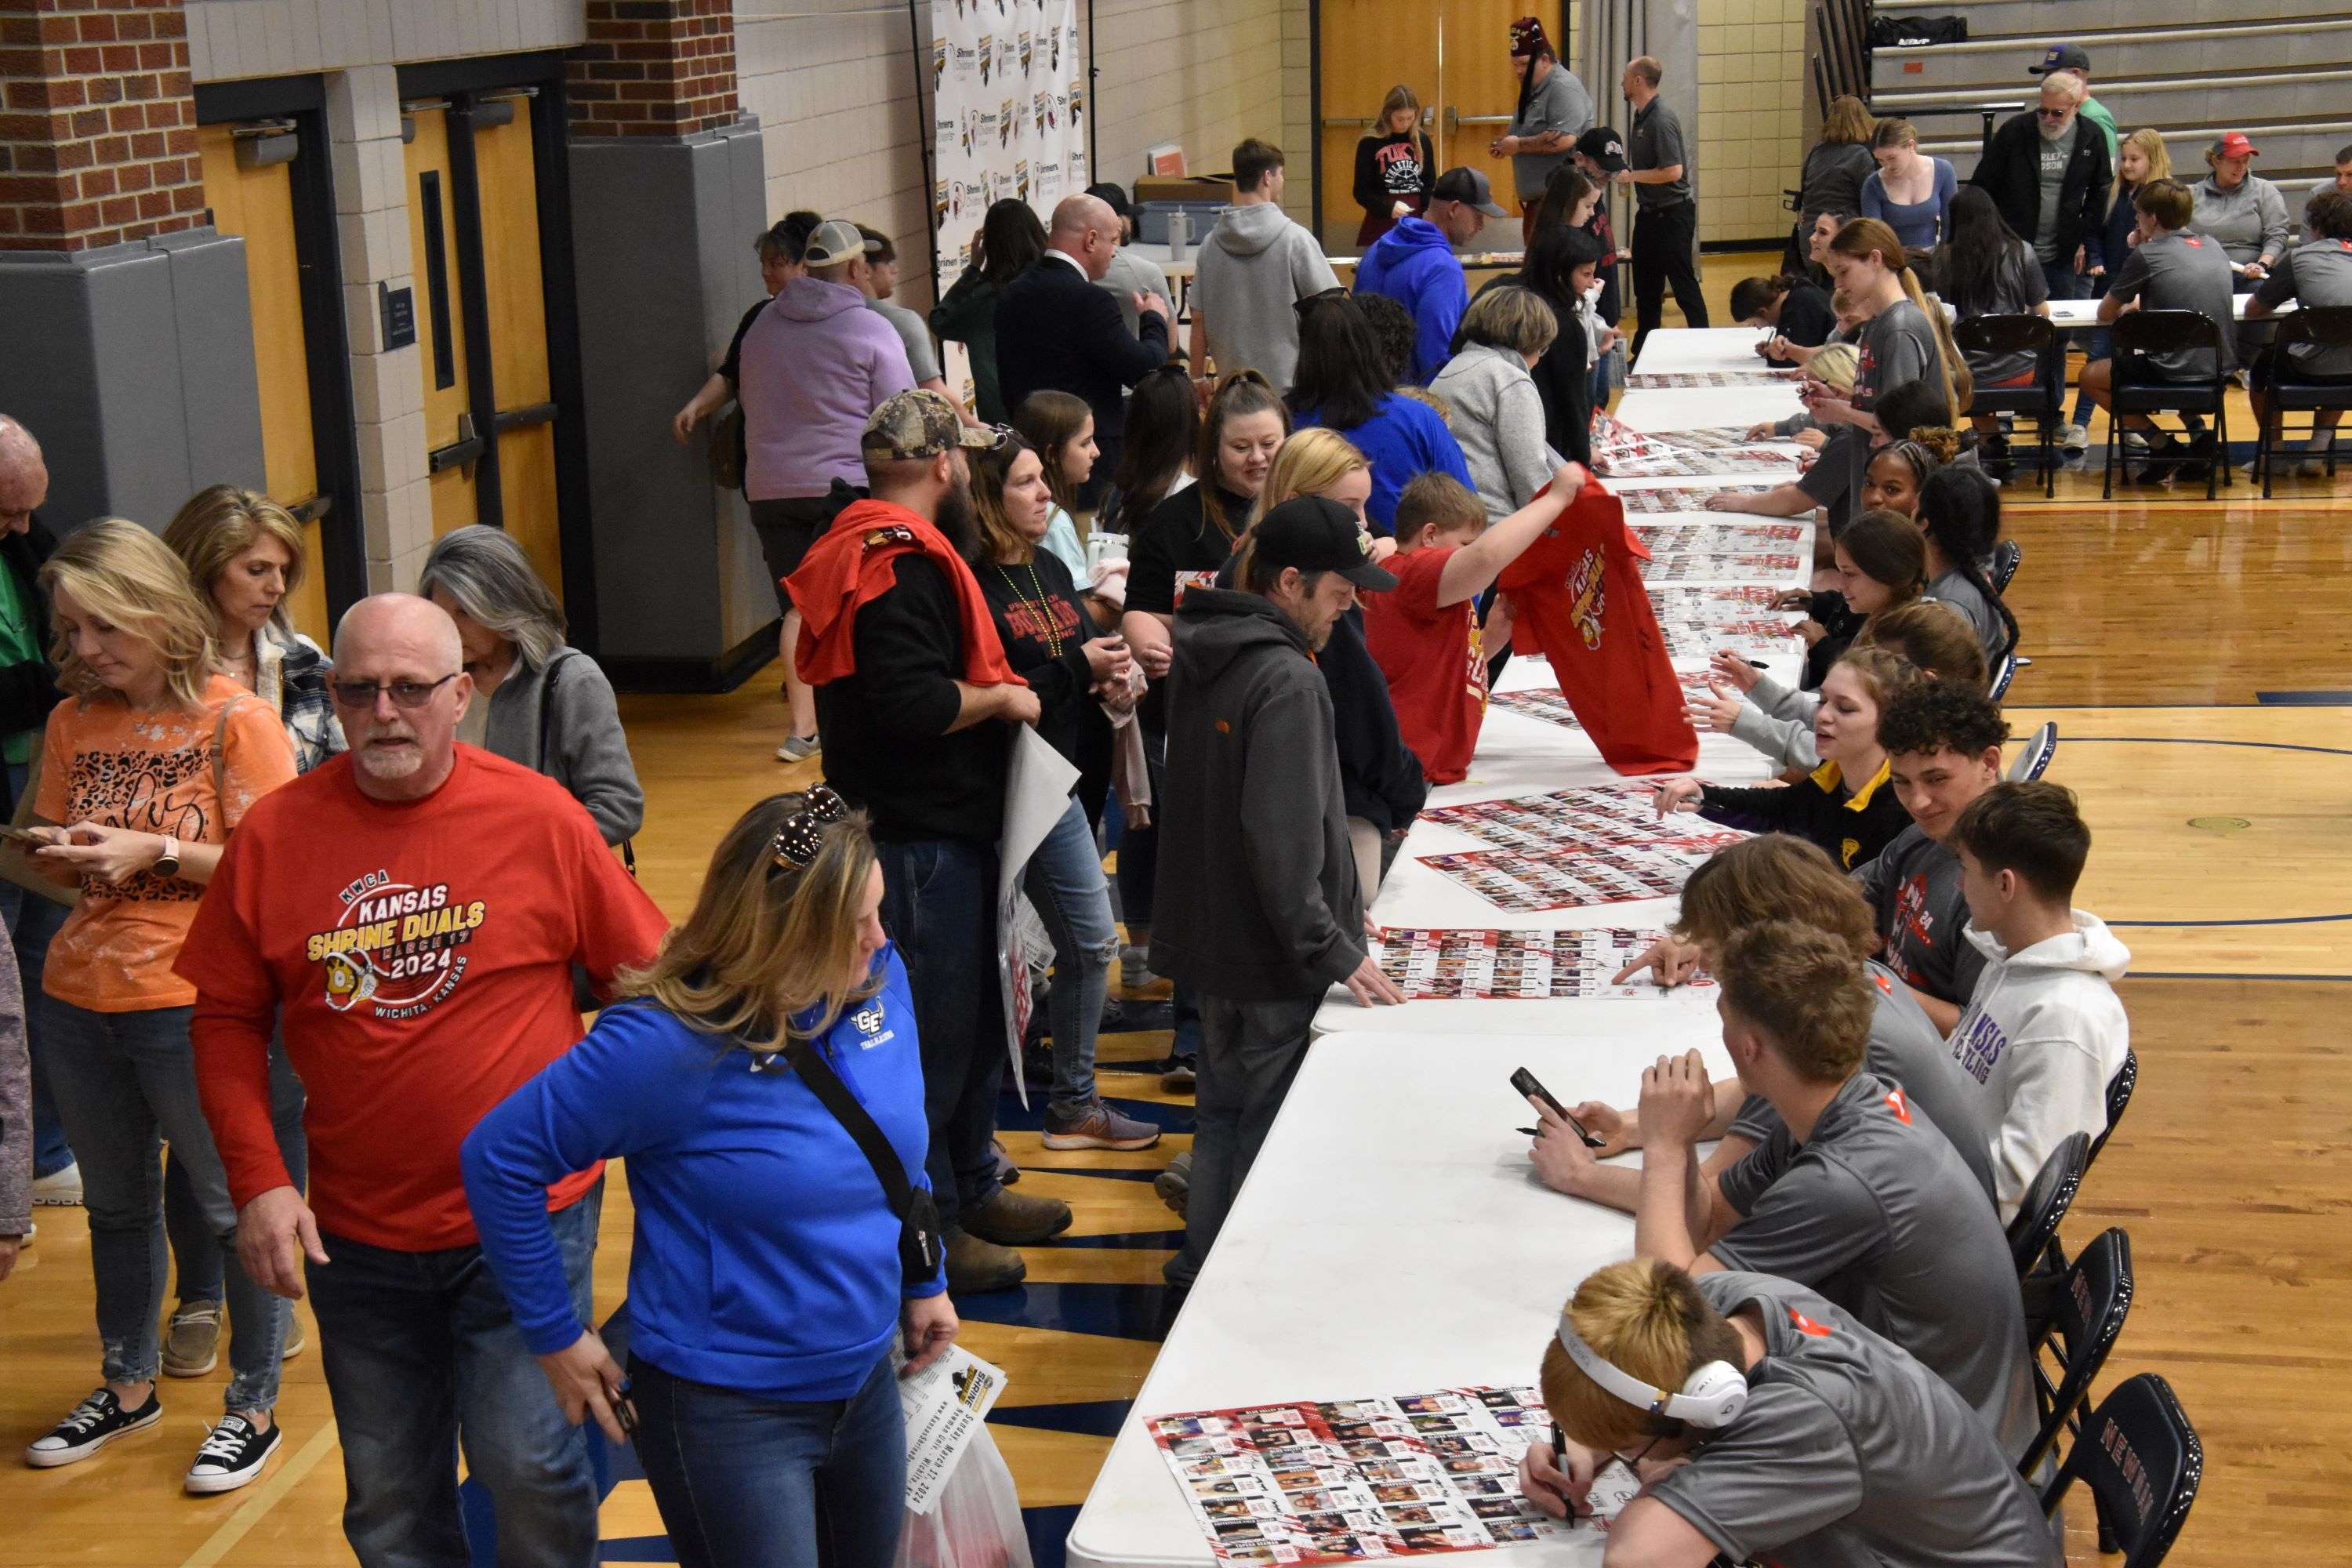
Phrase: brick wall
[98,124]
[653,67]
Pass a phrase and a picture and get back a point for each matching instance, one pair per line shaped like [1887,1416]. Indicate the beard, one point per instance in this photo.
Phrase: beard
[955,517]
[2049,134]
[389,766]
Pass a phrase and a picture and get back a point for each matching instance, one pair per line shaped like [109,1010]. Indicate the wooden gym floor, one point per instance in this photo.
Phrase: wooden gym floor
[2198,660]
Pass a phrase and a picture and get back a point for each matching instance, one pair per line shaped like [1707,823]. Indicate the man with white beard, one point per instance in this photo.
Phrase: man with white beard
[411,912]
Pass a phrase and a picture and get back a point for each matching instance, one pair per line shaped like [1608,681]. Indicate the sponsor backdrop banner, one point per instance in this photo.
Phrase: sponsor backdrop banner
[1008,114]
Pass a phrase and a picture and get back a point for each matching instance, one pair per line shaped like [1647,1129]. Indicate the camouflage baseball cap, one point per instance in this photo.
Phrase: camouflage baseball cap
[920,424]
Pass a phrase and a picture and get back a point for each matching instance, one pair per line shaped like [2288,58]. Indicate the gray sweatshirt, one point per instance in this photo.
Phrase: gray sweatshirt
[1255,267]
[1779,722]
[15,1110]
[1259,898]
[573,738]
[1498,418]
[2250,222]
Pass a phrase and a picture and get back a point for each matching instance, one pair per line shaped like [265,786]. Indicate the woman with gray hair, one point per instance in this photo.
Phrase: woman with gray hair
[543,704]
[1498,411]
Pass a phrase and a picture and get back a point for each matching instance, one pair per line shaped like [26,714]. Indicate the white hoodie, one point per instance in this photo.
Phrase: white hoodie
[2043,1033]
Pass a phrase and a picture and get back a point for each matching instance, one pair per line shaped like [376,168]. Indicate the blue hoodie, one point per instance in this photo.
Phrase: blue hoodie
[1415,265]
[766,1257]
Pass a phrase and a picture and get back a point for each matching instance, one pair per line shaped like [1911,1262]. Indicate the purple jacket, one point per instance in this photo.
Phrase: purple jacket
[816,364]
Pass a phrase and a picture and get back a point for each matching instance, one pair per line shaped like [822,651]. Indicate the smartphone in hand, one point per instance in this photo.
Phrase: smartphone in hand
[1536,1095]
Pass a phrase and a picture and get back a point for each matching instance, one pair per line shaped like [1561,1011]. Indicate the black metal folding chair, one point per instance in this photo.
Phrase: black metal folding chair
[2035,1229]
[2084,1314]
[2143,1461]
[2119,1093]
[2006,556]
[2002,674]
[2043,402]
[2138,387]
[2284,390]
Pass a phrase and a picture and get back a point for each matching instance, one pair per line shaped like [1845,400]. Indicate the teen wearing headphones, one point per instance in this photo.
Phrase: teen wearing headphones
[1766,1424]
[2043,1031]
[1856,1193]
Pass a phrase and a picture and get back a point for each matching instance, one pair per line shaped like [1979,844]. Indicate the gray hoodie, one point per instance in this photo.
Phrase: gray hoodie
[1498,418]
[1779,722]
[1255,267]
[1258,900]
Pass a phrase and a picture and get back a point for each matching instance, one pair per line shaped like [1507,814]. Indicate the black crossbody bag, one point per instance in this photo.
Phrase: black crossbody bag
[919,1216]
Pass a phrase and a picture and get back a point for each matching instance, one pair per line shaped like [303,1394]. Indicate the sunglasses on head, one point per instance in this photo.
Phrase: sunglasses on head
[797,841]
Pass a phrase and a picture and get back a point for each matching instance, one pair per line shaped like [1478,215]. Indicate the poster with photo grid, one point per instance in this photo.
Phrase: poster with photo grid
[1680,498]
[1562,819]
[1527,881]
[1463,965]
[1666,567]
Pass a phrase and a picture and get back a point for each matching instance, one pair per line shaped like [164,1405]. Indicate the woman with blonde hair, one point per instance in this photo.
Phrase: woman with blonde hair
[1498,413]
[763,1078]
[1074,667]
[146,768]
[1382,779]
[243,553]
[1395,168]
[1763,1421]
[1833,173]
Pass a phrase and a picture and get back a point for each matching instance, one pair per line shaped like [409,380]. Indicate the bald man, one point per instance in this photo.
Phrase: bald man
[1057,330]
[413,910]
[28,689]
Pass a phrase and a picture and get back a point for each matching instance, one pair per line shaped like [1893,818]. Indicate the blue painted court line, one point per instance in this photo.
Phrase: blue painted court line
[2305,699]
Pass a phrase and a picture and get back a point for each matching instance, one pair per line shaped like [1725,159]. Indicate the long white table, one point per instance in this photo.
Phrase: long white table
[1392,1238]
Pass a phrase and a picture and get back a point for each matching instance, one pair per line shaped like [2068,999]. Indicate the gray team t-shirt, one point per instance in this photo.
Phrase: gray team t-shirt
[1848,1453]
[1905,1049]
[1954,589]
[1913,888]
[1657,144]
[913,331]
[1897,345]
[1877,1211]
[1130,275]
[1557,103]
[2316,272]
[2055,154]
[2181,271]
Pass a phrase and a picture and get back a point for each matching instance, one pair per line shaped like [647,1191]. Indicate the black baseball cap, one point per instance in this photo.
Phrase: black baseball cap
[1604,147]
[1114,197]
[2060,58]
[1467,186]
[1314,533]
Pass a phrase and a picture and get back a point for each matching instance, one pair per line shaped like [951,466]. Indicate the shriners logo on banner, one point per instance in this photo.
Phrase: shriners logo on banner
[1008,119]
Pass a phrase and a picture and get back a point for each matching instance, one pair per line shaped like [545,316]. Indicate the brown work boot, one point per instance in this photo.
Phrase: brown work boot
[977,1265]
[1009,1219]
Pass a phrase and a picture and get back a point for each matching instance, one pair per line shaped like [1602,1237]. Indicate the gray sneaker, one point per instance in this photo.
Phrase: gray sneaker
[799,748]
[1174,1185]
[1134,967]
[1098,1127]
[191,1343]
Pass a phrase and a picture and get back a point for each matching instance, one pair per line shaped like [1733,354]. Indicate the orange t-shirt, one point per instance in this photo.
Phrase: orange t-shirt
[108,763]
[420,955]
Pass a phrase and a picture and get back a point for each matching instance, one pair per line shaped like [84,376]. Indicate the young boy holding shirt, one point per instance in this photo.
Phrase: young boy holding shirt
[1424,634]
[2044,1033]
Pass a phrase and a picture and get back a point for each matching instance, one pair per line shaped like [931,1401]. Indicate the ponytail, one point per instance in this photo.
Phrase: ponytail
[1959,510]
[1869,236]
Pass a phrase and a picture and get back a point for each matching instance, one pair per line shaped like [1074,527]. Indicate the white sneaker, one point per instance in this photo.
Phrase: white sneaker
[2073,440]
[58,1189]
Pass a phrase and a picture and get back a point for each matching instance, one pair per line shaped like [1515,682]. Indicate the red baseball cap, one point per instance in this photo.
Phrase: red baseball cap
[2236,145]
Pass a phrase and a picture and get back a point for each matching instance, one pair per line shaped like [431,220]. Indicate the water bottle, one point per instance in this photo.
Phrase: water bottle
[1180,230]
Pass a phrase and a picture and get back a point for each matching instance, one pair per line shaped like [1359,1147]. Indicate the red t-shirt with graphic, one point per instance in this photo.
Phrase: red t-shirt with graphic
[1435,666]
[422,952]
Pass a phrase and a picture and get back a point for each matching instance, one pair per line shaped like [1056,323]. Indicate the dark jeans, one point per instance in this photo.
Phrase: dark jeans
[1249,1053]
[32,921]
[787,527]
[939,904]
[126,1084]
[1665,248]
[747,1482]
[196,1256]
[423,1357]
[2064,283]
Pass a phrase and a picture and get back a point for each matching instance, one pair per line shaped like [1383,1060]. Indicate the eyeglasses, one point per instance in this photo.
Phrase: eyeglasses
[2055,114]
[797,841]
[411,694]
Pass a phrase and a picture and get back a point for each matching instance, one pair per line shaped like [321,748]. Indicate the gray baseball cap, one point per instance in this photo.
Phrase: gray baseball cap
[836,242]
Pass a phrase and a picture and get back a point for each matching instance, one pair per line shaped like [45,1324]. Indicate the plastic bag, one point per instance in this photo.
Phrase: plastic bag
[977,1524]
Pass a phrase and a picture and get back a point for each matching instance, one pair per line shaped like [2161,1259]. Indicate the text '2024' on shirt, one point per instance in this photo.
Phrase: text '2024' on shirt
[421,955]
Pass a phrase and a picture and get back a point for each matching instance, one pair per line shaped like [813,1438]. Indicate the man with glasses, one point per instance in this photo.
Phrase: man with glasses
[2050,175]
[411,912]
[1057,330]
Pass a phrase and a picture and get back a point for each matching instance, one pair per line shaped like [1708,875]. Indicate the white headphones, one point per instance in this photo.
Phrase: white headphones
[1711,1396]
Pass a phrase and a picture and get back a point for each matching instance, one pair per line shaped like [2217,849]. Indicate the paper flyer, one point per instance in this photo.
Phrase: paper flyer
[944,1405]
[1581,878]
[1345,1480]
[1036,793]
[1519,965]
[1601,815]
[1683,497]
[1684,378]
[1666,567]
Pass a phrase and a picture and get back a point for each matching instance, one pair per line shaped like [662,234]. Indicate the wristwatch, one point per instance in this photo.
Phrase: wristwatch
[167,864]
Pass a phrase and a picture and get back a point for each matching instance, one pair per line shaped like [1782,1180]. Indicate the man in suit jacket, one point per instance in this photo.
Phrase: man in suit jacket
[1055,330]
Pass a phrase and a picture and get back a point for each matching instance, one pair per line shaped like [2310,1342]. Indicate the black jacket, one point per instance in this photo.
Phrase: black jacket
[28,690]
[1832,180]
[1379,776]
[1055,329]
[1062,681]
[2010,173]
[1852,824]
[1258,900]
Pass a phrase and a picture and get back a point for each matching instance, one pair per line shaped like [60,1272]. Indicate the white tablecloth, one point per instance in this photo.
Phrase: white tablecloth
[1391,1239]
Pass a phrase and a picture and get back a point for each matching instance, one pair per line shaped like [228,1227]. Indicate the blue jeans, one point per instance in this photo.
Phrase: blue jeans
[422,1356]
[32,921]
[1064,879]
[197,1256]
[747,1482]
[2064,283]
[125,1082]
[939,904]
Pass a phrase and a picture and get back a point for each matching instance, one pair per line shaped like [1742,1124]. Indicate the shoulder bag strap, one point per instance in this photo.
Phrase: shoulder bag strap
[835,1096]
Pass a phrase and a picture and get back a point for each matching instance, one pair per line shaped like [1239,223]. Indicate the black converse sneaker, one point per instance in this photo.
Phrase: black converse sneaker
[96,1421]
[233,1455]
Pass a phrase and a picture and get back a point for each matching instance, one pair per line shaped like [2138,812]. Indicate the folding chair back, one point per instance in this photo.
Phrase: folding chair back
[2005,558]
[2139,387]
[2142,1462]
[2084,1313]
[2002,674]
[2119,1093]
[2034,761]
[2047,1201]
[2285,386]
[2042,400]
